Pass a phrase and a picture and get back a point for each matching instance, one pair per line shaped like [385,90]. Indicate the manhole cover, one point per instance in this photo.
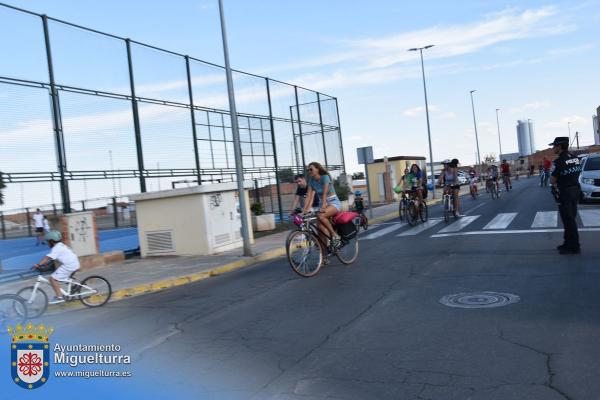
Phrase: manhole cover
[479,299]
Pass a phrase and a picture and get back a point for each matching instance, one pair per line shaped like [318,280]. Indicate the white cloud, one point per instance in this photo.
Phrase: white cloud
[563,122]
[416,111]
[449,114]
[536,105]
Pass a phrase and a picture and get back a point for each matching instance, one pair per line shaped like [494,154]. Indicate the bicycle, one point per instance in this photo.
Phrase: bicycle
[363,220]
[492,189]
[448,201]
[411,210]
[13,311]
[506,180]
[307,252]
[93,291]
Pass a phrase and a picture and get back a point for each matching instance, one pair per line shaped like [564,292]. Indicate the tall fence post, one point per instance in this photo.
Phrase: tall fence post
[57,123]
[193,115]
[29,231]
[277,183]
[3,226]
[299,128]
[82,205]
[54,210]
[136,120]
[337,110]
[322,129]
[115,212]
[298,169]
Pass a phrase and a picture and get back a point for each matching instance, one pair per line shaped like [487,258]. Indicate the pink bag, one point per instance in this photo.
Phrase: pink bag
[344,217]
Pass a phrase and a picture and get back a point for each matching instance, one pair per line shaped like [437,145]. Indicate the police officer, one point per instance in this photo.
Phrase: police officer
[564,181]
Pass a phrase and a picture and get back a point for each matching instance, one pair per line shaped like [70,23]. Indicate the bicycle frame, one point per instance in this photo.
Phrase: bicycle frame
[66,294]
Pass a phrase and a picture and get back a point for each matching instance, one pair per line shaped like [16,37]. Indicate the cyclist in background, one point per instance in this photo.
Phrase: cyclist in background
[69,263]
[449,180]
[301,194]
[492,175]
[359,202]
[505,169]
[473,180]
[547,164]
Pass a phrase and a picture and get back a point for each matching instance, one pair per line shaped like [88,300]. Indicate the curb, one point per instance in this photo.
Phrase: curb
[181,280]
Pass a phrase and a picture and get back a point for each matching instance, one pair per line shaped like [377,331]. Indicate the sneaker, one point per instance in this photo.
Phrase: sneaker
[56,300]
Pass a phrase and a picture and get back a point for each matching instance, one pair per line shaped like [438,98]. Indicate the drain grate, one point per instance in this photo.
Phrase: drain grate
[479,299]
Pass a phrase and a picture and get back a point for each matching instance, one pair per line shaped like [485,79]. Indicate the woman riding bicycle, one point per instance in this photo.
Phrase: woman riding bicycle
[414,182]
[449,180]
[320,184]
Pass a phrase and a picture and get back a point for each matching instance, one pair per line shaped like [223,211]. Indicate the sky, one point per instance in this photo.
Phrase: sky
[535,60]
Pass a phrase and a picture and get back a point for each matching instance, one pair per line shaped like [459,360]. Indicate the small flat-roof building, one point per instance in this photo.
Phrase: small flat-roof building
[397,165]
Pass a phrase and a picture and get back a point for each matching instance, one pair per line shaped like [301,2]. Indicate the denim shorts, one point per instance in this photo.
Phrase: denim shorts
[334,201]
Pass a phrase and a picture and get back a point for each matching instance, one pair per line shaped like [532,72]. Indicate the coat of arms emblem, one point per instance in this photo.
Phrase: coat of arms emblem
[30,355]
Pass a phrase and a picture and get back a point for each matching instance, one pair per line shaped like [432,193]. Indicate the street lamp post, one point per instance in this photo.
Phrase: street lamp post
[499,141]
[475,125]
[420,49]
[239,172]
[569,128]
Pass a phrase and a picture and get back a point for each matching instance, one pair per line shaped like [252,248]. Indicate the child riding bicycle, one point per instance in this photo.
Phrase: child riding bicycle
[69,263]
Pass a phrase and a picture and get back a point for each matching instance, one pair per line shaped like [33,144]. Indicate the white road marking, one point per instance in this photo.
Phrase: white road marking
[511,231]
[501,221]
[421,227]
[475,208]
[590,217]
[384,231]
[545,219]
[459,224]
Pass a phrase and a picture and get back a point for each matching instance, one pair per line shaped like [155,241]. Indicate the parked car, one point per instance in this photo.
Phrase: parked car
[589,179]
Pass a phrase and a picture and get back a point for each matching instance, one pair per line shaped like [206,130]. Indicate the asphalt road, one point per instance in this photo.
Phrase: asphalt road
[377,329]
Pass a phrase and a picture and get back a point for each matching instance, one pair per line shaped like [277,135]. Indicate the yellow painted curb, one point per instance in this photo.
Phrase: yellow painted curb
[182,280]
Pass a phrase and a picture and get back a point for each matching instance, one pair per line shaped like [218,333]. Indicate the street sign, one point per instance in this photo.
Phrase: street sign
[365,155]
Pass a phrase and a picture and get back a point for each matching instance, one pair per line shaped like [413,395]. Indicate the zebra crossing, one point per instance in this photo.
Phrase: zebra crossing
[542,221]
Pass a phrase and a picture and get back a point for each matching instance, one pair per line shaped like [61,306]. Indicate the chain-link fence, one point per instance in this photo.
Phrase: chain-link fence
[86,114]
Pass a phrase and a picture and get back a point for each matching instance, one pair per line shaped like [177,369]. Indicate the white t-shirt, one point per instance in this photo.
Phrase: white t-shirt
[46,225]
[39,220]
[65,256]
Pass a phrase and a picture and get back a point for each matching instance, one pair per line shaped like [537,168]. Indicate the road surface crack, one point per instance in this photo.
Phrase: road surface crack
[548,357]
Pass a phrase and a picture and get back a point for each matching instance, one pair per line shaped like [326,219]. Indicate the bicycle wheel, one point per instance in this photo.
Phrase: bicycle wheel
[401,210]
[364,222]
[349,251]
[412,214]
[36,303]
[423,212]
[100,286]
[13,311]
[446,208]
[305,253]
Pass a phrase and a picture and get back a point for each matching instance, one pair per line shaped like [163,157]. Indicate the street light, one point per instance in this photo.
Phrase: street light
[475,125]
[420,49]
[499,141]
[239,172]
[569,128]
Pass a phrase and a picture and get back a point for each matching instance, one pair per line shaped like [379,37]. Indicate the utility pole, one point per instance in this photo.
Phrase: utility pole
[239,172]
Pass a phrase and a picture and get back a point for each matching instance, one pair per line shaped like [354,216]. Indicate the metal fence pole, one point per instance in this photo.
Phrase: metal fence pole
[274,151]
[298,169]
[57,123]
[3,226]
[29,232]
[193,115]
[337,110]
[136,119]
[115,212]
[54,210]
[322,129]
[82,205]
[299,127]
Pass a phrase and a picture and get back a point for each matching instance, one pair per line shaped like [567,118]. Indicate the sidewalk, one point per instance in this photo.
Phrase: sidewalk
[139,276]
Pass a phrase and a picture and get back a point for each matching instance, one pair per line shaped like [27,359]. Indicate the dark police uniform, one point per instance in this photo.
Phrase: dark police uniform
[566,170]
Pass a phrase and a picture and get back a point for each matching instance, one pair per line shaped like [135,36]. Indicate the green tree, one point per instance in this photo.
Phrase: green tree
[358,175]
[2,186]
[341,189]
[489,159]
[286,175]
